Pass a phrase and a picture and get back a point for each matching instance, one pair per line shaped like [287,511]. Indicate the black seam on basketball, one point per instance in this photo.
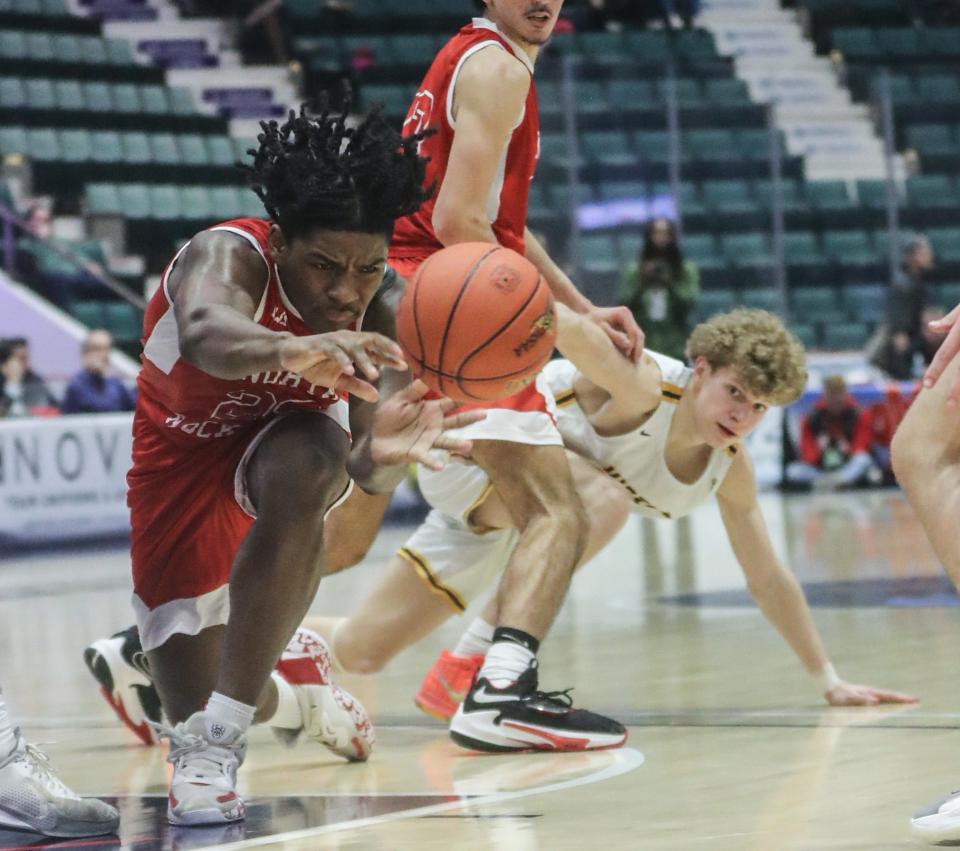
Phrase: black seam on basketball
[502,328]
[416,318]
[453,377]
[456,304]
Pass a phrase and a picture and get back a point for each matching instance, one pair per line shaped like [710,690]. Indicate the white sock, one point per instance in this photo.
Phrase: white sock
[8,736]
[505,662]
[288,713]
[224,708]
[476,640]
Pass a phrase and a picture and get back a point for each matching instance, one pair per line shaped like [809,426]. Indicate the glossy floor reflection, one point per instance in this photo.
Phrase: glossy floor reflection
[738,752]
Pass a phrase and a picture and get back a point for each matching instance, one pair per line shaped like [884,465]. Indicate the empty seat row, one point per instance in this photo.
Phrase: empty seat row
[133,148]
[168,202]
[64,49]
[908,44]
[122,320]
[48,8]
[94,97]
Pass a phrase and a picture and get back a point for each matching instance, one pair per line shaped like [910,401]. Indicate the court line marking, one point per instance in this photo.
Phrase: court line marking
[624,761]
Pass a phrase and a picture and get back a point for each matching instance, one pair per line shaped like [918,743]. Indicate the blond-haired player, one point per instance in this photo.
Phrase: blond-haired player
[656,437]
[926,460]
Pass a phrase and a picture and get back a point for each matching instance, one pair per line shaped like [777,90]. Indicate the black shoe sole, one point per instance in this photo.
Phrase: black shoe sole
[486,747]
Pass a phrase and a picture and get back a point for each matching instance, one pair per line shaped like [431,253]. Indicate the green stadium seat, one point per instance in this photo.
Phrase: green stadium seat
[725,91]
[40,94]
[93,50]
[195,203]
[598,249]
[806,334]
[864,302]
[13,140]
[649,47]
[68,48]
[560,196]
[700,247]
[791,194]
[931,190]
[845,336]
[711,302]
[695,44]
[68,94]
[712,145]
[946,243]
[40,47]
[763,298]
[12,94]
[933,138]
[153,100]
[90,313]
[126,98]
[553,149]
[856,43]
[44,145]
[251,205]
[829,195]
[688,90]
[118,51]
[103,199]
[136,148]
[849,247]
[602,46]
[755,143]
[814,304]
[652,146]
[746,249]
[134,200]
[690,201]
[163,149]
[872,194]
[413,50]
[898,42]
[227,201]
[615,190]
[590,97]
[727,196]
[611,148]
[181,101]
[14,45]
[75,146]
[395,99]
[220,149]
[97,97]
[939,88]
[193,150]
[164,202]
[902,89]
[123,320]
[947,295]
[801,249]
[626,94]
[107,147]
[241,147]
[940,41]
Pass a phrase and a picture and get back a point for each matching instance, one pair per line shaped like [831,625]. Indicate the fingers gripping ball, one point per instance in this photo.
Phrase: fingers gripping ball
[477,322]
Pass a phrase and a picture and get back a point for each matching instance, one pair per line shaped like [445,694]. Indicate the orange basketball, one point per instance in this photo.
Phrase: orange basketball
[477,322]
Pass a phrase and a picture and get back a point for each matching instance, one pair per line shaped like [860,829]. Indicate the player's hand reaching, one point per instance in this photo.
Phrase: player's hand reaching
[848,694]
[333,359]
[407,426]
[621,327]
[949,349]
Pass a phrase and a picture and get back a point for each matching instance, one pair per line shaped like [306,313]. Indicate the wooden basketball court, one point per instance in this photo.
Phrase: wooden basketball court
[730,748]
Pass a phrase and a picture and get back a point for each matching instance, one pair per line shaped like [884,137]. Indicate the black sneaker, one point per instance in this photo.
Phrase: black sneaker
[521,718]
[119,665]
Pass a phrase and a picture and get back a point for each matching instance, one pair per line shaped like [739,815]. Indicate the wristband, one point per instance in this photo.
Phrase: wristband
[826,679]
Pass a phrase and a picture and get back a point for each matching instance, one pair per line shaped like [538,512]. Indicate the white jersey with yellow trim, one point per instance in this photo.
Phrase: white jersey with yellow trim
[637,459]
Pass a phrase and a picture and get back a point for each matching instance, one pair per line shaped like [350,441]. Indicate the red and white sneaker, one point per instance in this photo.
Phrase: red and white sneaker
[446,684]
[331,716]
[120,667]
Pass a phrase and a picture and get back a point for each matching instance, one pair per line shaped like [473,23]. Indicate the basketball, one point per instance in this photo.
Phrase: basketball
[477,322]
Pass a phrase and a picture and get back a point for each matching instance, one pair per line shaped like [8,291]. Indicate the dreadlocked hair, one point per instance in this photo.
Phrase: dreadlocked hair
[316,172]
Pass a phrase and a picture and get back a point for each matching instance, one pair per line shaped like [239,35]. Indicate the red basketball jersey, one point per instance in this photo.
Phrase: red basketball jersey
[188,405]
[432,107]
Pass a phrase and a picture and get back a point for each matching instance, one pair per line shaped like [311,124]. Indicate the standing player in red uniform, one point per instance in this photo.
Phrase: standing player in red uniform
[242,443]
[480,98]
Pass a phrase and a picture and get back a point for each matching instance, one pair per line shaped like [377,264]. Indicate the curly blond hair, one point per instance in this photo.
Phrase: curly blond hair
[766,357]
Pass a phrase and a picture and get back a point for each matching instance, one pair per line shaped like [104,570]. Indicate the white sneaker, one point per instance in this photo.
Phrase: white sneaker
[33,798]
[119,665]
[331,716]
[205,754]
[939,823]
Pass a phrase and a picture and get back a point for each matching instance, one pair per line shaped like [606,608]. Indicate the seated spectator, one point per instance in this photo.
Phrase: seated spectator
[884,418]
[661,289]
[92,390]
[22,391]
[835,440]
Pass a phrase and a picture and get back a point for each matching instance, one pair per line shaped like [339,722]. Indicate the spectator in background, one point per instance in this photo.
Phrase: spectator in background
[884,418]
[92,390]
[661,289]
[22,391]
[835,442]
[900,350]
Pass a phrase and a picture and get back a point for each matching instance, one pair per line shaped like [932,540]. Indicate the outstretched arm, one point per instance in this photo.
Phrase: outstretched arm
[777,592]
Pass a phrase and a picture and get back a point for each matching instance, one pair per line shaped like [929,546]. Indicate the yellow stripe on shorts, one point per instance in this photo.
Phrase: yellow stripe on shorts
[420,564]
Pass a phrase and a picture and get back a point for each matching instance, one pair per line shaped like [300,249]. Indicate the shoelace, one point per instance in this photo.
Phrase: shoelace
[40,768]
[213,760]
[561,697]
